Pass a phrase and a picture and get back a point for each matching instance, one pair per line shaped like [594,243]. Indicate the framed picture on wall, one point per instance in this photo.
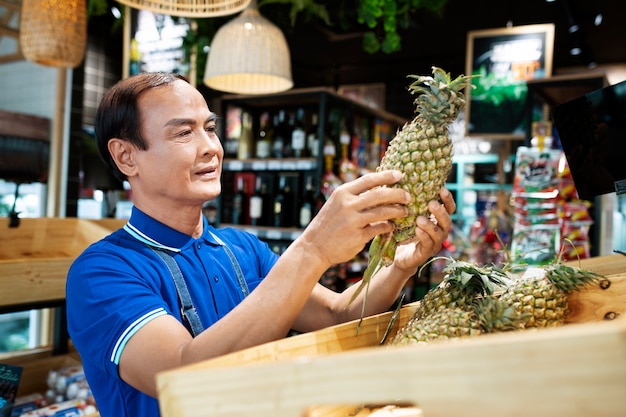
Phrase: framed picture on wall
[153,42]
[502,61]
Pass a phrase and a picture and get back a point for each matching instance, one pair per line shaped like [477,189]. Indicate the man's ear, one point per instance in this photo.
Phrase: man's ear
[122,152]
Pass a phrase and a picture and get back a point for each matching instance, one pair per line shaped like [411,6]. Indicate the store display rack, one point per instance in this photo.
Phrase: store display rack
[333,113]
[574,370]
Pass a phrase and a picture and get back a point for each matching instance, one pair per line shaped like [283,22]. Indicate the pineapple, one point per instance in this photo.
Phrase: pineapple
[461,284]
[484,315]
[541,293]
[422,150]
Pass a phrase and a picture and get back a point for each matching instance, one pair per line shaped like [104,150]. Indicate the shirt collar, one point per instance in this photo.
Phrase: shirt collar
[154,233]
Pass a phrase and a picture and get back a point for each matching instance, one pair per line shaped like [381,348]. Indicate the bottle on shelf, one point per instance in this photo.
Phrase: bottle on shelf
[347,169]
[312,139]
[256,204]
[281,132]
[298,135]
[233,131]
[329,181]
[240,203]
[308,205]
[245,149]
[266,136]
[283,204]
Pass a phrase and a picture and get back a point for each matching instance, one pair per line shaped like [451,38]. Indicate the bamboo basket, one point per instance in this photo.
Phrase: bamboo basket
[575,370]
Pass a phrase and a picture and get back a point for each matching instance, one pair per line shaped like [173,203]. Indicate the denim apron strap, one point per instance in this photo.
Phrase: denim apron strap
[233,260]
[188,311]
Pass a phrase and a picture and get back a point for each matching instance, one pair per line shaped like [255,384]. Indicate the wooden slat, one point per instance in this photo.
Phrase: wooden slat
[29,282]
[577,370]
[35,257]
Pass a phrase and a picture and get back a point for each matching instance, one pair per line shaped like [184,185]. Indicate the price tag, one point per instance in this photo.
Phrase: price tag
[274,234]
[305,164]
[289,165]
[259,166]
[273,165]
[252,231]
[295,235]
[235,165]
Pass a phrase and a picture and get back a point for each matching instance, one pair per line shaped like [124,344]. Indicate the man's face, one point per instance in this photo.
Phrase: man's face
[182,165]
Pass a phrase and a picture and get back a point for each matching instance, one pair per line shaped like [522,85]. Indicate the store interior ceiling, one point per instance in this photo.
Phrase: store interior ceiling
[330,56]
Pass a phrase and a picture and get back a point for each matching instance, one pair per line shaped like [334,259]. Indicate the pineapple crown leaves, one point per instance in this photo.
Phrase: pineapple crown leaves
[440,98]
[497,315]
[569,278]
[479,280]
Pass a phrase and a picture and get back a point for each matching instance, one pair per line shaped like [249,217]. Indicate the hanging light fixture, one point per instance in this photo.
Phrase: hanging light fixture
[54,32]
[189,8]
[249,55]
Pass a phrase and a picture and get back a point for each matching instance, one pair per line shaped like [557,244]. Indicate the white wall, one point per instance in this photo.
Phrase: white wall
[28,88]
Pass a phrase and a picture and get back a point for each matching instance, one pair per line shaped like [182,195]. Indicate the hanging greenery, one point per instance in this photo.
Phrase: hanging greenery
[382,18]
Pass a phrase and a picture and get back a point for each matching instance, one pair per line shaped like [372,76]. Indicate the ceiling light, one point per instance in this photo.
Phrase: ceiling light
[189,8]
[573,28]
[249,55]
[116,12]
[575,51]
[54,33]
[597,21]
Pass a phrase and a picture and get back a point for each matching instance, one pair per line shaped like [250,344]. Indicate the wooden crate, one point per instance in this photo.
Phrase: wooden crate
[575,370]
[35,257]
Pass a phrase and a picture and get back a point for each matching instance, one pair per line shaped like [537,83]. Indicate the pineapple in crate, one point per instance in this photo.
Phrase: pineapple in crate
[474,300]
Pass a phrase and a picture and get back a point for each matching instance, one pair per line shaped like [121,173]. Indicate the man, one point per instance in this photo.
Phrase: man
[125,293]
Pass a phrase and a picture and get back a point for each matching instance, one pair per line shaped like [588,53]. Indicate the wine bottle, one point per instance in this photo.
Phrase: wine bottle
[245,148]
[266,135]
[312,139]
[256,204]
[283,204]
[308,204]
[278,145]
[298,135]
[329,181]
[240,203]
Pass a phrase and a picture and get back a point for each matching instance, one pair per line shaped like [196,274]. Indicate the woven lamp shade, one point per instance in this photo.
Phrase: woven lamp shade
[249,55]
[189,8]
[54,32]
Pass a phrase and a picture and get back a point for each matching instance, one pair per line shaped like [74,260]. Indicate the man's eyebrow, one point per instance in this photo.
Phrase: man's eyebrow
[181,122]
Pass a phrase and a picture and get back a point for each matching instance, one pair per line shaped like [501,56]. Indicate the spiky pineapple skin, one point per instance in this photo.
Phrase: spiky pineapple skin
[543,303]
[422,149]
[485,314]
[541,294]
[447,323]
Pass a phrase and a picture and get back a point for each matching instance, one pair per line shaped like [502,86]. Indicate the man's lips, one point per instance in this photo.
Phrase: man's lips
[207,171]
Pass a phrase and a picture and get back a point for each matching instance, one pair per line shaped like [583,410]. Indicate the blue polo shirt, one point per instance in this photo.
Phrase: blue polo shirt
[119,284]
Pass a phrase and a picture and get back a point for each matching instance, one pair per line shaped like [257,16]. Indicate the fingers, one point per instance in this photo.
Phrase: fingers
[432,234]
[373,180]
[447,200]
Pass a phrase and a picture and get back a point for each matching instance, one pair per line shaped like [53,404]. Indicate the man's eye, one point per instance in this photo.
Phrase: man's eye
[185,132]
[210,129]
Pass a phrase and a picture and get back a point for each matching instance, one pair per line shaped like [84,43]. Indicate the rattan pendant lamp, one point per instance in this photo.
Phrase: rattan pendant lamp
[53,32]
[189,8]
[249,55]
